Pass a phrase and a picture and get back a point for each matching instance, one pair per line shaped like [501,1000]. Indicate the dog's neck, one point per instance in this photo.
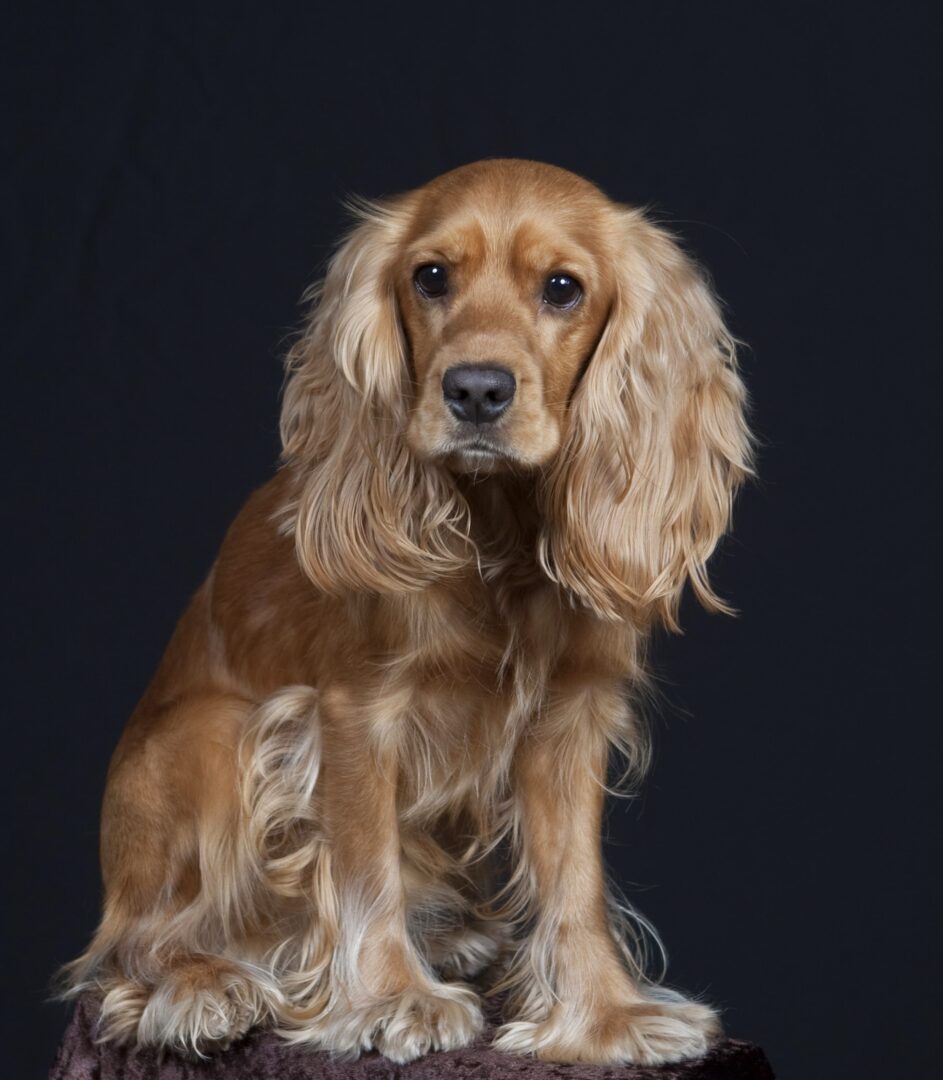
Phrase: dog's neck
[505,514]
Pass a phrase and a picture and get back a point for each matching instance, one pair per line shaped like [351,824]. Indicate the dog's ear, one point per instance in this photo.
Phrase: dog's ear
[367,515]
[657,442]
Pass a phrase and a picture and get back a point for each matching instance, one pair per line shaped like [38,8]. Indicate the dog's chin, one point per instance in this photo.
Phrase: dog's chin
[477,457]
[477,460]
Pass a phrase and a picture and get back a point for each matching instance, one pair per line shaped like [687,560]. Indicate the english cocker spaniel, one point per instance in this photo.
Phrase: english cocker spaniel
[373,761]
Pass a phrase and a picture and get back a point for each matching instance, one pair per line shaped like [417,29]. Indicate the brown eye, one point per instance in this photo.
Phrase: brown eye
[432,280]
[562,291]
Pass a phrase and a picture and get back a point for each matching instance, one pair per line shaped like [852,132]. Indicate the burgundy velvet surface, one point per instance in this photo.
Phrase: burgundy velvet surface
[263,1056]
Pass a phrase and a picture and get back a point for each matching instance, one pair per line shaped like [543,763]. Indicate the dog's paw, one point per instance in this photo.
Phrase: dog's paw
[418,1021]
[204,1005]
[402,1027]
[656,1031]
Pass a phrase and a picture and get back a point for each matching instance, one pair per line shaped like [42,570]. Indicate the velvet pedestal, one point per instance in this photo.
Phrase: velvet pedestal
[263,1056]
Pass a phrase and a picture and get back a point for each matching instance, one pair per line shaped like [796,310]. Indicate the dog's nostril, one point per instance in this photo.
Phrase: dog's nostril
[478,393]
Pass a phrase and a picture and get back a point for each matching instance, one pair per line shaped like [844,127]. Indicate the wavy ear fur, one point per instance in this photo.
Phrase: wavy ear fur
[657,443]
[367,515]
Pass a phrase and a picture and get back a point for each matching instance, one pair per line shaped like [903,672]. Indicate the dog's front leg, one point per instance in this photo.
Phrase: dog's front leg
[575,997]
[381,994]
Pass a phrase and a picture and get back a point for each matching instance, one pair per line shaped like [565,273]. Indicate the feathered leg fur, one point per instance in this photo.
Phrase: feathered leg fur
[574,996]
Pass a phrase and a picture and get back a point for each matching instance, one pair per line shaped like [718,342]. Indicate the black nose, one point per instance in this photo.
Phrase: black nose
[478,393]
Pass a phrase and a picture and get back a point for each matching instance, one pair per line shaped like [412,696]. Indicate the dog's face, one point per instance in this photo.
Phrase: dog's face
[503,286]
[508,315]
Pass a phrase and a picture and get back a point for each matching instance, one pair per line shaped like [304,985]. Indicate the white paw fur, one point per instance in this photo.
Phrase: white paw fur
[402,1027]
[664,1027]
[203,1013]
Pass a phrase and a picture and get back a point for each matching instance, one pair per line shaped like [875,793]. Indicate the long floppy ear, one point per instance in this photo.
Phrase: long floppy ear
[657,442]
[368,517]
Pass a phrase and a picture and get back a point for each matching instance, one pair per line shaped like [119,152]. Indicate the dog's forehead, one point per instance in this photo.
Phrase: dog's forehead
[507,204]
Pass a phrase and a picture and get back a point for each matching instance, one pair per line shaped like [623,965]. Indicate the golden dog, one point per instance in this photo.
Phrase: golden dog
[373,760]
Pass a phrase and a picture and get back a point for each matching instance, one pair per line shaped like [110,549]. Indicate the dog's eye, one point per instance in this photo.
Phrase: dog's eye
[562,291]
[432,280]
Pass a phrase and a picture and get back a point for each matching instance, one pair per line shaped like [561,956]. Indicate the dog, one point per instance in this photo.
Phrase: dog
[373,761]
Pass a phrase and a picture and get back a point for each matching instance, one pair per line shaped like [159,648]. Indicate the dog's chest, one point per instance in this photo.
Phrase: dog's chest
[475,672]
[479,640]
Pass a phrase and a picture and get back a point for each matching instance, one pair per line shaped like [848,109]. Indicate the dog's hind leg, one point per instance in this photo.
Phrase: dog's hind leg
[174,958]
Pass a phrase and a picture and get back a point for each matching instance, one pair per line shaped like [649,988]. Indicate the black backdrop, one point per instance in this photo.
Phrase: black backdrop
[174,184]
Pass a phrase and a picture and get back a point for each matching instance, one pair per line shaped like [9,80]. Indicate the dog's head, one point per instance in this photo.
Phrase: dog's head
[509,316]
[504,282]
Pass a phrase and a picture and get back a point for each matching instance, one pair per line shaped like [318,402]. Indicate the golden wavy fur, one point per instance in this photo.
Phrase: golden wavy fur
[373,760]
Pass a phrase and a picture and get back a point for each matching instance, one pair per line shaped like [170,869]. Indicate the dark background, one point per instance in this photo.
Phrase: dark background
[173,184]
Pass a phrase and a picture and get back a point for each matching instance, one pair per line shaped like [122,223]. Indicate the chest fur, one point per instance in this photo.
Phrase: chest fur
[472,669]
